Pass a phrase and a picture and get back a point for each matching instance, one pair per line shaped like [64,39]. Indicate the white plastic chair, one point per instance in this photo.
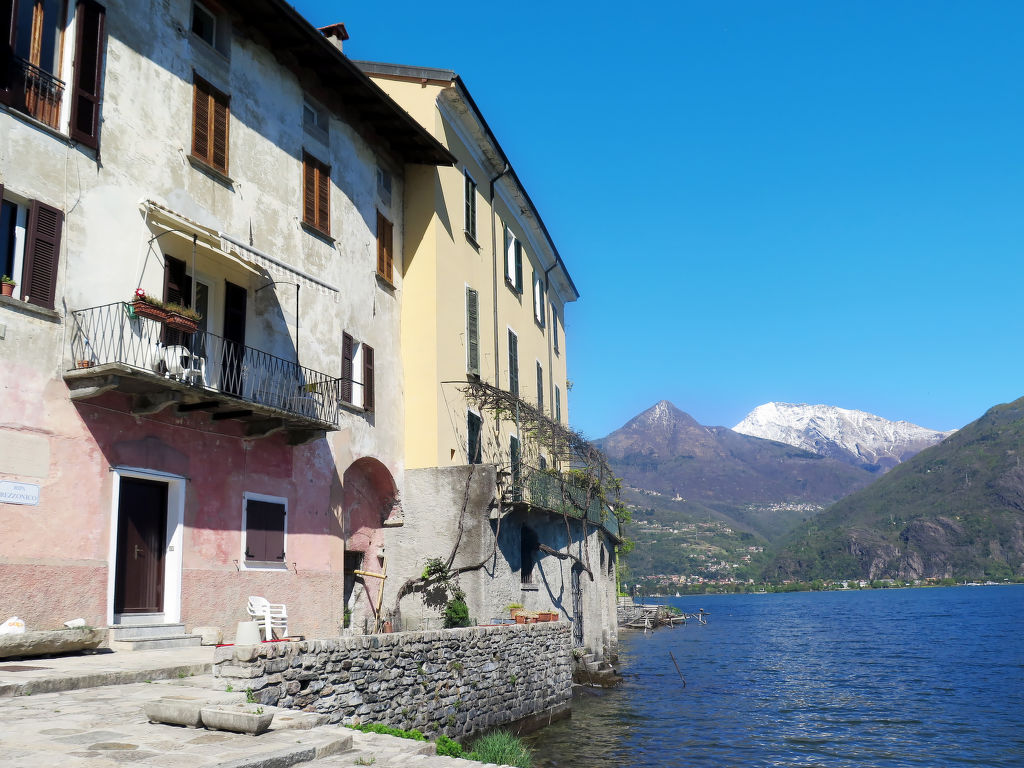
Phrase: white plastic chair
[271,615]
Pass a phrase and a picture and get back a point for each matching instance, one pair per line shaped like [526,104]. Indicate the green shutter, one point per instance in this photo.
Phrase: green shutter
[472,331]
[513,363]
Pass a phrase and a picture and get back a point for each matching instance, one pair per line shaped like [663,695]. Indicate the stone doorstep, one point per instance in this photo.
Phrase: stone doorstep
[58,683]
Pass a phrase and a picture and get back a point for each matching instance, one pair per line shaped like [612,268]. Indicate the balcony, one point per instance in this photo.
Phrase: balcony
[113,349]
[35,92]
[562,494]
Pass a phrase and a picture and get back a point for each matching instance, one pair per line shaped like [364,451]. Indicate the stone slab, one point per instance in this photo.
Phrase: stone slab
[43,642]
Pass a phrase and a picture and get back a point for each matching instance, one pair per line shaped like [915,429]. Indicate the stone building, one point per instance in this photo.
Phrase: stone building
[228,158]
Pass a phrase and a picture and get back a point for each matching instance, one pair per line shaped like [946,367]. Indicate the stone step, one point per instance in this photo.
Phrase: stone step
[156,643]
[141,631]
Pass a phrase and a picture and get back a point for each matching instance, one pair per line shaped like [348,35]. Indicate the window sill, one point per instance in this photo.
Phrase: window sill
[384,282]
[318,233]
[530,588]
[26,118]
[214,173]
[259,565]
[29,309]
[517,291]
[471,240]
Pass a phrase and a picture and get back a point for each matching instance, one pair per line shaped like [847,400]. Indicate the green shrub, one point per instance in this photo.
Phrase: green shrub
[387,730]
[456,614]
[448,747]
[501,748]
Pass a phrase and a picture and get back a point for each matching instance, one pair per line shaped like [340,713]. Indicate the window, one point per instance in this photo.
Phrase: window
[472,331]
[264,527]
[516,468]
[540,387]
[385,244]
[316,194]
[30,62]
[210,113]
[529,546]
[513,362]
[30,249]
[538,297]
[513,261]
[355,355]
[368,392]
[204,24]
[558,405]
[470,207]
[474,448]
[314,120]
[384,187]
[554,327]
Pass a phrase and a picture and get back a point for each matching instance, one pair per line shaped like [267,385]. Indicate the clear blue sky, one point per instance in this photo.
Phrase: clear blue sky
[803,201]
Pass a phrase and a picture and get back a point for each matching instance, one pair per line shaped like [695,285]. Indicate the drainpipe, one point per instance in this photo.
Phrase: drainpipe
[494,274]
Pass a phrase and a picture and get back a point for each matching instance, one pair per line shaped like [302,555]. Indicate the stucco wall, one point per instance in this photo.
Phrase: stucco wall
[456,681]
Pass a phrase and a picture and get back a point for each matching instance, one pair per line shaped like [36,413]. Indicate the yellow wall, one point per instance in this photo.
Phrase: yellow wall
[441,261]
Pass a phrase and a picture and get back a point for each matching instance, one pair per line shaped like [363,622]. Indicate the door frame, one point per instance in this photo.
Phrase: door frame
[173,538]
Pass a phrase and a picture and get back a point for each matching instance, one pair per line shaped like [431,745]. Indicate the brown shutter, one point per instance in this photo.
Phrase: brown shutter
[308,191]
[381,257]
[219,158]
[85,97]
[368,388]
[264,531]
[8,14]
[201,121]
[42,253]
[323,198]
[347,344]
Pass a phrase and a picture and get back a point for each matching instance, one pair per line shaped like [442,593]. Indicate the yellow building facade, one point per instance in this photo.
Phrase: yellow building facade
[484,291]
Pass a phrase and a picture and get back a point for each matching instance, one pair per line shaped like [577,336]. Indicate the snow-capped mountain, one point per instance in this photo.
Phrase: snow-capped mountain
[857,437]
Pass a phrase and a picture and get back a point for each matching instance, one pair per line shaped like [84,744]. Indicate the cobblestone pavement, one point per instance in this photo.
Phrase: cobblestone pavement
[103,724]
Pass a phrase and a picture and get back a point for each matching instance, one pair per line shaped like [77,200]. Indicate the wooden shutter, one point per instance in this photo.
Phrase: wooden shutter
[201,120]
[177,283]
[558,405]
[316,193]
[308,191]
[42,254]
[347,349]
[513,363]
[8,15]
[518,266]
[210,119]
[472,331]
[385,261]
[368,389]
[540,388]
[85,96]
[323,198]
[264,531]
[220,132]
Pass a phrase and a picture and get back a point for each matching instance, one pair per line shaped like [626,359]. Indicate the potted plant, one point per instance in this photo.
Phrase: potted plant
[182,318]
[513,609]
[148,306]
[8,285]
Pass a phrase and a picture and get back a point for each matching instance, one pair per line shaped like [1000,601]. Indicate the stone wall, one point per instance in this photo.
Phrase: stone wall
[454,681]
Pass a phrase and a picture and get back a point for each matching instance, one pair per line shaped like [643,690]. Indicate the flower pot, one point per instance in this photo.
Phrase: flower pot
[145,309]
[181,323]
[240,718]
[8,288]
[520,618]
[83,364]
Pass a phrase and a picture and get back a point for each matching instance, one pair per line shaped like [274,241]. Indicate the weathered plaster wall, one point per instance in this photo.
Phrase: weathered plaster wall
[432,503]
[455,681]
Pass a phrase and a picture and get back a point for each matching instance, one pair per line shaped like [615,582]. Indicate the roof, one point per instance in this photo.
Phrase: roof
[298,45]
[446,76]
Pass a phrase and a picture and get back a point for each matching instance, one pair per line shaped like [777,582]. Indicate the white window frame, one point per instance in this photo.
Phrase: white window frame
[554,328]
[539,298]
[246,496]
[20,237]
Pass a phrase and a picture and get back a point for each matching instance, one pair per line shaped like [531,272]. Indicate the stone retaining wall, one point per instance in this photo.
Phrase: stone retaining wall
[453,681]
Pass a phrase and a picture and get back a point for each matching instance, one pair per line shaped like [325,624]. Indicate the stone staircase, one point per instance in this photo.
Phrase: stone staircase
[589,670]
[132,636]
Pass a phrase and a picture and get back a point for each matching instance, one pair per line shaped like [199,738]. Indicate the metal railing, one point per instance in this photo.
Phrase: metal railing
[547,489]
[112,333]
[35,92]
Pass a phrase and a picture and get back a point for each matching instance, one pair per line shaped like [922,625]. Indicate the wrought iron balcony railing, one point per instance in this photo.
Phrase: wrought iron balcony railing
[211,364]
[35,92]
[548,489]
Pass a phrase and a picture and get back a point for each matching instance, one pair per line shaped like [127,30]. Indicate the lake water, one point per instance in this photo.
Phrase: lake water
[871,678]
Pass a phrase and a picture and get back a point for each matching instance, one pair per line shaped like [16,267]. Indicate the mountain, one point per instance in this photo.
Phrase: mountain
[856,437]
[955,510]
[759,485]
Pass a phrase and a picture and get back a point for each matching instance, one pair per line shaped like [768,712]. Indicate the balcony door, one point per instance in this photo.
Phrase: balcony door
[233,354]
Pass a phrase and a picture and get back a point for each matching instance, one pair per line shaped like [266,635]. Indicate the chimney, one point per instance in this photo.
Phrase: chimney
[336,33]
